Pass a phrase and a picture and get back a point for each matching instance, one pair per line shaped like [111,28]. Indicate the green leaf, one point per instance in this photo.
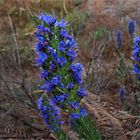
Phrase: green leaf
[121,71]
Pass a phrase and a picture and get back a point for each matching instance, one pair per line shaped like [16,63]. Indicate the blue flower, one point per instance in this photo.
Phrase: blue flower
[81,92]
[77,77]
[47,30]
[54,54]
[39,46]
[41,39]
[51,114]
[71,43]
[56,80]
[42,57]
[52,66]
[48,86]
[50,49]
[61,61]
[74,105]
[43,87]
[136,69]
[71,54]
[136,42]
[136,54]
[41,16]
[61,85]
[69,37]
[52,102]
[76,67]
[70,86]
[44,74]
[75,116]
[45,43]
[119,39]
[60,98]
[50,20]
[77,72]
[131,27]
[61,46]
[61,24]
[122,92]
[40,104]
[40,28]
[83,112]
[63,33]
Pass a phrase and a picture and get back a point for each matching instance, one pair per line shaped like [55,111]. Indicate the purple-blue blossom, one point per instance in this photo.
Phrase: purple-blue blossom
[71,54]
[50,49]
[52,66]
[122,92]
[77,67]
[47,30]
[54,54]
[41,39]
[42,57]
[56,80]
[75,116]
[74,105]
[136,54]
[83,112]
[119,39]
[63,33]
[48,86]
[77,77]
[61,85]
[61,61]
[47,18]
[40,28]
[50,113]
[71,43]
[62,46]
[70,86]
[44,74]
[131,27]
[60,98]
[81,92]
[39,46]
[61,24]
[136,42]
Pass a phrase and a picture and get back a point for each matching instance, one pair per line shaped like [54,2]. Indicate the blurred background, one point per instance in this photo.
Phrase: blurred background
[94,24]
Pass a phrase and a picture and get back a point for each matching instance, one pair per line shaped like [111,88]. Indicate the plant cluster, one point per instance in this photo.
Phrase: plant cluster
[123,69]
[56,52]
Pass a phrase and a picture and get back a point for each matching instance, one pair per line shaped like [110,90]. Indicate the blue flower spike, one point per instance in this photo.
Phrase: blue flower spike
[131,27]
[119,39]
[56,52]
